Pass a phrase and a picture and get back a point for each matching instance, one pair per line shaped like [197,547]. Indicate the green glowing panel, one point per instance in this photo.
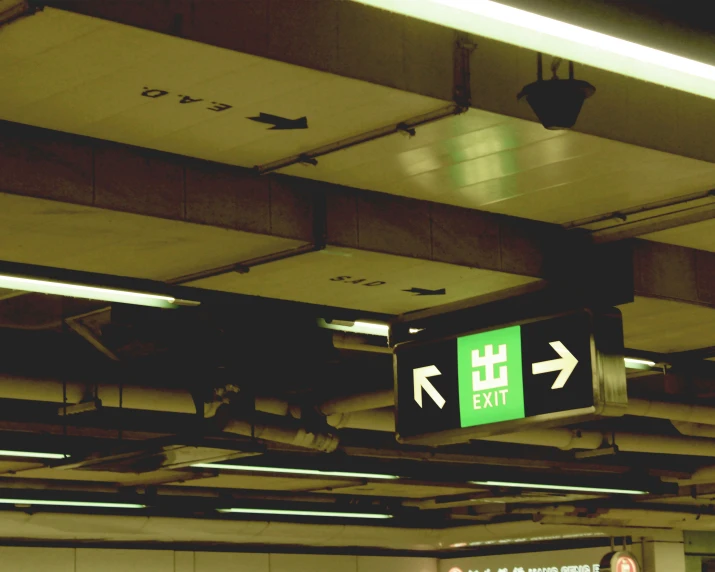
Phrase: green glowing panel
[491,387]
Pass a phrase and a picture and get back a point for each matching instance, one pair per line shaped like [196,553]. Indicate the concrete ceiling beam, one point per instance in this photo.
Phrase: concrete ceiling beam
[89,205]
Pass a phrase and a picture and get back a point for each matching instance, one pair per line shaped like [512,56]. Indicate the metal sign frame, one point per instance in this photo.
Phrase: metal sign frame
[610,397]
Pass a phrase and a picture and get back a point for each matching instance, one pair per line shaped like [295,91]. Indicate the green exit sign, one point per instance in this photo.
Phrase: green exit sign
[490,377]
[549,371]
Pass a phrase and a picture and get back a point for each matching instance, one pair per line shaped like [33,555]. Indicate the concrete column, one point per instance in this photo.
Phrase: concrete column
[693,563]
[661,554]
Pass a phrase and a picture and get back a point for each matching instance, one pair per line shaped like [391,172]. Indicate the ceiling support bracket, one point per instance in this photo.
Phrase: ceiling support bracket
[462,101]
[408,126]
[462,91]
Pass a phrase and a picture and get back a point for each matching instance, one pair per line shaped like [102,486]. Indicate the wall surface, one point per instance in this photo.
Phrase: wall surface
[108,560]
[577,560]
[699,548]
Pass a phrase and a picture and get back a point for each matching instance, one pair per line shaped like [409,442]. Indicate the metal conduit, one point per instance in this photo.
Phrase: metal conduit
[374,420]
[361,402]
[298,437]
[169,401]
[359,412]
[671,411]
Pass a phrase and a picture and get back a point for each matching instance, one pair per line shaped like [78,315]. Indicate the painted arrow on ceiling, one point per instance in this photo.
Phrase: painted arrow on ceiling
[565,364]
[426,292]
[281,122]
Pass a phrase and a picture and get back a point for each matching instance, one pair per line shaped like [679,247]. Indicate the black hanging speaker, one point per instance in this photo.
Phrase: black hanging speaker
[557,102]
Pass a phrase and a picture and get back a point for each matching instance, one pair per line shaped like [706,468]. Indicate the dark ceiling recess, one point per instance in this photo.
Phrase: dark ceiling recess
[270,350]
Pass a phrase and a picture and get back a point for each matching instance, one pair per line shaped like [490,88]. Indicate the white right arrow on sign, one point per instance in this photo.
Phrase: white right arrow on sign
[566,363]
[419,378]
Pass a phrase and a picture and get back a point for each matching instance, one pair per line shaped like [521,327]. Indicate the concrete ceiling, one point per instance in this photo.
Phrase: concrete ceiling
[85,75]
[98,240]
[491,162]
[665,326]
[700,235]
[65,71]
[360,279]
[91,77]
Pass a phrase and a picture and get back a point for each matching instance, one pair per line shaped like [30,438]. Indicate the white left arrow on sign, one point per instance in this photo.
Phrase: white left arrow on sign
[566,363]
[421,382]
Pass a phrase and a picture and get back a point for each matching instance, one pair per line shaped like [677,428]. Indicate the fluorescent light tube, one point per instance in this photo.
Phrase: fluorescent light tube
[31,454]
[89,504]
[357,327]
[535,539]
[89,292]
[559,487]
[638,362]
[371,328]
[532,31]
[278,511]
[250,468]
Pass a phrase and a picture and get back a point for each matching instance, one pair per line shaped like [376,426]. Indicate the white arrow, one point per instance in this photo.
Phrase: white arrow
[566,363]
[421,382]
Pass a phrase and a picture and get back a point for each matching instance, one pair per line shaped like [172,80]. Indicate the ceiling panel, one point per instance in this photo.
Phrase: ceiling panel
[116,82]
[489,162]
[50,233]
[365,280]
[9,467]
[93,77]
[664,326]
[699,235]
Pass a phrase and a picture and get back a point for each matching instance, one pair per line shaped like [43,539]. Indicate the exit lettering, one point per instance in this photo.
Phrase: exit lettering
[490,377]
[484,400]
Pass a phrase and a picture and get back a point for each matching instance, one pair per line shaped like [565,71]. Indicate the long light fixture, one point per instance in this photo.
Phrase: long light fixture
[559,487]
[31,454]
[530,539]
[88,504]
[357,327]
[286,512]
[57,288]
[638,363]
[377,329]
[315,472]
[532,31]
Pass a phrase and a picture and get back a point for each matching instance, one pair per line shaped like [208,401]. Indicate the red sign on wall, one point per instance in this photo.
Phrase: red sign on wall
[626,563]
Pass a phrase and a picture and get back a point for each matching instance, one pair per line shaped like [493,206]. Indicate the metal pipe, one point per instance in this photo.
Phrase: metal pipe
[671,411]
[702,475]
[641,209]
[694,429]
[360,402]
[358,343]
[563,438]
[298,437]
[343,412]
[166,400]
[133,397]
[374,420]
[361,138]
[662,444]
[13,10]
[628,442]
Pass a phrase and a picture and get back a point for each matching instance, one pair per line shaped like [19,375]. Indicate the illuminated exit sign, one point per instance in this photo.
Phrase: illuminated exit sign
[549,371]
